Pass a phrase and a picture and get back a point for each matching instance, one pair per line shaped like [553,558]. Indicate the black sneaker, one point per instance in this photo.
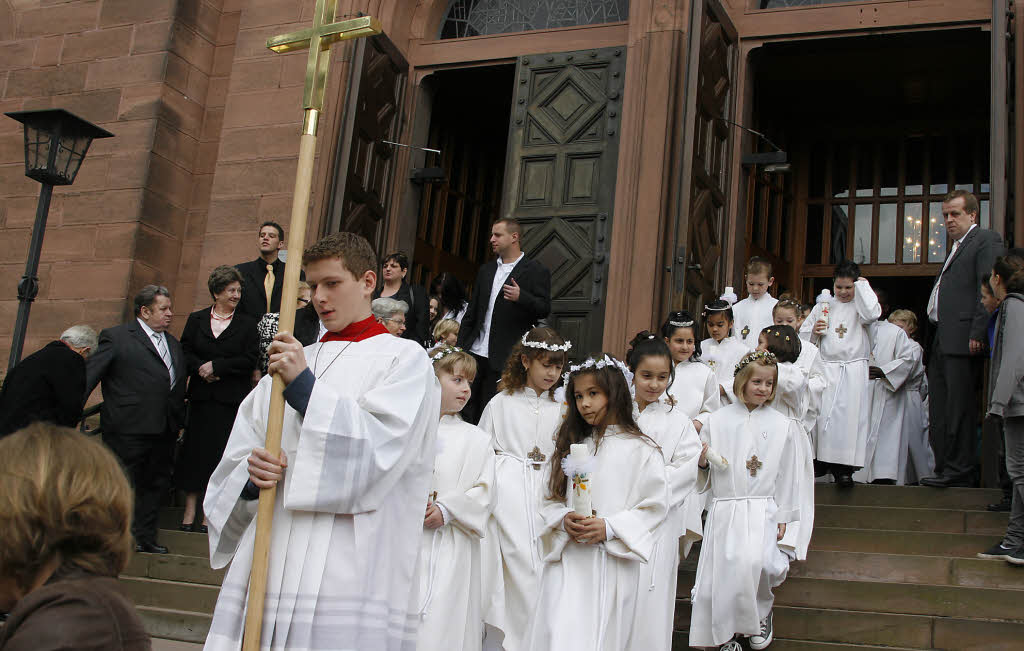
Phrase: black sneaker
[998,553]
[1016,558]
[1001,506]
[764,638]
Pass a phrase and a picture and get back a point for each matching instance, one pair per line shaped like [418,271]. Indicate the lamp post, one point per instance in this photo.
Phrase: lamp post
[55,145]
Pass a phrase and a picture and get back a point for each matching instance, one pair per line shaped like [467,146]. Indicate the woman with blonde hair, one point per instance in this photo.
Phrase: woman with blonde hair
[65,517]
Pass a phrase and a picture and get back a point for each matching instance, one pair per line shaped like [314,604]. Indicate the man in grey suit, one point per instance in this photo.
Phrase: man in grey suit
[960,321]
[142,368]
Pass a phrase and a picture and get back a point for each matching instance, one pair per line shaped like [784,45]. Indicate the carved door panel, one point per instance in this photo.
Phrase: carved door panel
[696,268]
[560,178]
[365,168]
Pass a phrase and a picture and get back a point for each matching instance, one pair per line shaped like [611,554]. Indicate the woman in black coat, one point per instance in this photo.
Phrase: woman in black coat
[393,273]
[221,350]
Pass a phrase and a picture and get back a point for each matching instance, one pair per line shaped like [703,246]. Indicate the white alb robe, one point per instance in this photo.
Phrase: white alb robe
[810,361]
[517,423]
[722,357]
[450,585]
[892,354]
[348,518]
[916,456]
[841,432]
[695,388]
[750,317]
[791,400]
[588,593]
[740,559]
[680,447]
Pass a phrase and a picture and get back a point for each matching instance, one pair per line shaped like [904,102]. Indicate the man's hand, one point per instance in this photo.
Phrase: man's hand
[875,373]
[782,531]
[820,326]
[433,518]
[286,357]
[264,470]
[206,370]
[975,346]
[511,290]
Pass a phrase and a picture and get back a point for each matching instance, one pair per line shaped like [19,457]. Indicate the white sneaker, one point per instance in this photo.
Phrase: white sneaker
[765,637]
[731,645]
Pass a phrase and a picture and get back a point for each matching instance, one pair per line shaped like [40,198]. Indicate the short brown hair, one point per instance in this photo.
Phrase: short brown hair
[512,225]
[907,316]
[445,327]
[454,361]
[970,201]
[62,493]
[759,265]
[221,277]
[353,250]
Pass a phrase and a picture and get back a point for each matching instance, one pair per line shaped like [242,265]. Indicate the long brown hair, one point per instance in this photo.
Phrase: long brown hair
[575,430]
[513,377]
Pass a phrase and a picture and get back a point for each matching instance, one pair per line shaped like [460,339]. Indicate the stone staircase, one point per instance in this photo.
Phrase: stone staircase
[895,568]
[890,567]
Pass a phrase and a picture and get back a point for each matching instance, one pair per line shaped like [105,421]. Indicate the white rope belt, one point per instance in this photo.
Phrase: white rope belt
[839,385]
[528,479]
[431,573]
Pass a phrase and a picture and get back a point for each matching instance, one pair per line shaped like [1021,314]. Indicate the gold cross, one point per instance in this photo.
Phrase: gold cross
[745,331]
[841,330]
[537,456]
[326,31]
[753,465]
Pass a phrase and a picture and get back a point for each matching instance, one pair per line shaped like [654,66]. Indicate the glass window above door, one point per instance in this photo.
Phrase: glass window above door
[480,17]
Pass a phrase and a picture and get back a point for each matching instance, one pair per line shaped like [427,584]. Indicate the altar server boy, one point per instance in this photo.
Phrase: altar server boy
[754,313]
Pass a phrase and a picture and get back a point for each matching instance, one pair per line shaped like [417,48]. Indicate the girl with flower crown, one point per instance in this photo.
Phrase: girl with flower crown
[651,363]
[722,350]
[458,507]
[753,488]
[588,593]
[695,387]
[521,420]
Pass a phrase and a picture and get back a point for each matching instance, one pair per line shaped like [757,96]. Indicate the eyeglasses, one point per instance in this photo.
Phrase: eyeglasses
[396,321]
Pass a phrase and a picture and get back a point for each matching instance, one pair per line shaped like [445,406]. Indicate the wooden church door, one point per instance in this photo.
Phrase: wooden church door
[560,178]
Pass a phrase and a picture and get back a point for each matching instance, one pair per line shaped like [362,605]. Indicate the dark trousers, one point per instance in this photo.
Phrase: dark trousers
[822,468]
[953,382]
[147,460]
[485,385]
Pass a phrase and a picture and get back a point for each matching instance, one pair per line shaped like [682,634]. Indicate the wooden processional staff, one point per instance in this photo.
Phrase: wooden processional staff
[326,30]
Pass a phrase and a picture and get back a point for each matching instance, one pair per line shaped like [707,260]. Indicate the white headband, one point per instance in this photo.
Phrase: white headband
[564,348]
[599,364]
[444,352]
[681,324]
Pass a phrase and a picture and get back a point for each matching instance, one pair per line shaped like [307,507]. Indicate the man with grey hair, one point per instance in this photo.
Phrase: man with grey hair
[142,368]
[48,385]
[391,313]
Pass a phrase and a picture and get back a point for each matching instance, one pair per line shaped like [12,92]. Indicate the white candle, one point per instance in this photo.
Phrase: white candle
[581,479]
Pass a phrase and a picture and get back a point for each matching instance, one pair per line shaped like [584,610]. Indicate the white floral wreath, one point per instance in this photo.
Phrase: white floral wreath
[444,352]
[605,360]
[554,348]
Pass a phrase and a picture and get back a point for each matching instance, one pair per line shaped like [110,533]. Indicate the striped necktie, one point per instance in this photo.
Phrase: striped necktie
[165,355]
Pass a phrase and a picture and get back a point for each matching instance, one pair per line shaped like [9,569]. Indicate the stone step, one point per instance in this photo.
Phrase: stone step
[162,644]
[964,545]
[910,519]
[173,595]
[680,642]
[183,543]
[180,625]
[901,568]
[173,567]
[813,626]
[895,598]
[916,497]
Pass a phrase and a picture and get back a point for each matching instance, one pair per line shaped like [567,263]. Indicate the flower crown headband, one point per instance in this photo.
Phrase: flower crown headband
[778,334]
[605,360]
[444,352]
[554,348]
[759,355]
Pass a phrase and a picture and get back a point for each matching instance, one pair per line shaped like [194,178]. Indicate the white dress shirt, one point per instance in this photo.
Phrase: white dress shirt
[159,340]
[933,300]
[501,274]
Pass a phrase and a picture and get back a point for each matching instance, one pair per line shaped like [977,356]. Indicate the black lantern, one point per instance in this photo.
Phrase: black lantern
[55,146]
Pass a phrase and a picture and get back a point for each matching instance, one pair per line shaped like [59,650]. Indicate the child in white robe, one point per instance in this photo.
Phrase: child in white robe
[458,508]
[695,388]
[651,364]
[521,420]
[791,400]
[841,432]
[754,313]
[789,312]
[916,458]
[722,350]
[588,593]
[754,487]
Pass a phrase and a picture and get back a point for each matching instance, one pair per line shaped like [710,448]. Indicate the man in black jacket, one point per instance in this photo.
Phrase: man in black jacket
[48,385]
[255,280]
[510,295]
[142,368]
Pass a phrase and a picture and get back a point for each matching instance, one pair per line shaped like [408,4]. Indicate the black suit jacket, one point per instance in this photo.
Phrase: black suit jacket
[961,314]
[233,354]
[254,294]
[510,320]
[137,394]
[48,385]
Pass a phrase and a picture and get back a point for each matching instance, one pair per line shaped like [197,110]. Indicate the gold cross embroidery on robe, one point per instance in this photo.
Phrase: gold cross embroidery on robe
[745,331]
[841,330]
[537,457]
[753,465]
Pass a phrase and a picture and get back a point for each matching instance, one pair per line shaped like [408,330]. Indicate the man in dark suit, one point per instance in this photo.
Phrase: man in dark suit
[263,273]
[960,322]
[142,368]
[510,295]
[48,385]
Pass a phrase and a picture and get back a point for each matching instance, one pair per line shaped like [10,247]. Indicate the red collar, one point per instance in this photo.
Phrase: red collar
[357,331]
